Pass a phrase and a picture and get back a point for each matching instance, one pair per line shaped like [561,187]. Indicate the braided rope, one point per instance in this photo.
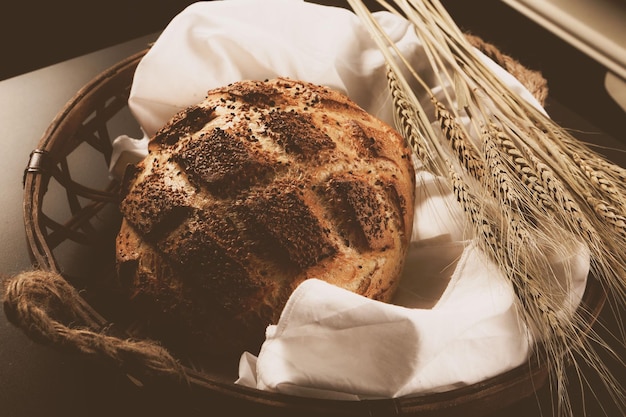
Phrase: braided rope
[39,301]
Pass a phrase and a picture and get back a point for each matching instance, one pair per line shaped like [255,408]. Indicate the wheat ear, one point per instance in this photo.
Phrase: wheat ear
[405,117]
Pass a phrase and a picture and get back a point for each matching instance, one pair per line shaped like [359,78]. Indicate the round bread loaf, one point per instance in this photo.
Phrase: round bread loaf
[247,194]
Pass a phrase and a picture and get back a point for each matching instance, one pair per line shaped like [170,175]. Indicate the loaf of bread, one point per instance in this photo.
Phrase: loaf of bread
[262,185]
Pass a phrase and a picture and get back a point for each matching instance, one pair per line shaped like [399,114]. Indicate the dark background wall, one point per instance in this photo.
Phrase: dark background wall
[39,33]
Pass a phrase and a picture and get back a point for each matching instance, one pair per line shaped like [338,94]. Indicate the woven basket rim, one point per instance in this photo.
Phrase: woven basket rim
[521,381]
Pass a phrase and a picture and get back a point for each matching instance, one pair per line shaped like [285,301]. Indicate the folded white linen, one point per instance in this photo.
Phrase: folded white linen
[213,43]
[334,341]
[453,320]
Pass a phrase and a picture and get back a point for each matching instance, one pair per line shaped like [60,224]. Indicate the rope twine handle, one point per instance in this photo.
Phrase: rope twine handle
[39,302]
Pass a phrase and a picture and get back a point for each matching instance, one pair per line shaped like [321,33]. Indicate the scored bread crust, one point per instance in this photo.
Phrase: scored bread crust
[242,197]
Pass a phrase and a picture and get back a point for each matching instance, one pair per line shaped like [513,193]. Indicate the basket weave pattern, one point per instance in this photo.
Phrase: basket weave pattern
[44,301]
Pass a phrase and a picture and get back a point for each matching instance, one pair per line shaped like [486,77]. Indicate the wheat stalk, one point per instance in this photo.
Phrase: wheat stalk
[527,188]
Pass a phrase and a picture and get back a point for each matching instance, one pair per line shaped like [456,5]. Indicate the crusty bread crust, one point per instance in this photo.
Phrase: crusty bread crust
[244,196]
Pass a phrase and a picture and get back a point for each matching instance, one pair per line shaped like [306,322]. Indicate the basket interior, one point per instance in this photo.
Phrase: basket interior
[71,213]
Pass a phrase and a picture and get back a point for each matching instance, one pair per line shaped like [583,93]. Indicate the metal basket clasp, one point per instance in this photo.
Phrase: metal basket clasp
[37,163]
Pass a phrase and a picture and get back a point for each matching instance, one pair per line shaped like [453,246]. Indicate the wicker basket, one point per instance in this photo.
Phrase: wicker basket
[70,168]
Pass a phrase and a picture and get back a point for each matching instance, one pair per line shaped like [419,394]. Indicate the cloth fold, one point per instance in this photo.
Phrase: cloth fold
[331,343]
[453,320]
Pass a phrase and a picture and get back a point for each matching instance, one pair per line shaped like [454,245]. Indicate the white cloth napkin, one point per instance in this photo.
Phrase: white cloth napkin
[453,321]
[211,44]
